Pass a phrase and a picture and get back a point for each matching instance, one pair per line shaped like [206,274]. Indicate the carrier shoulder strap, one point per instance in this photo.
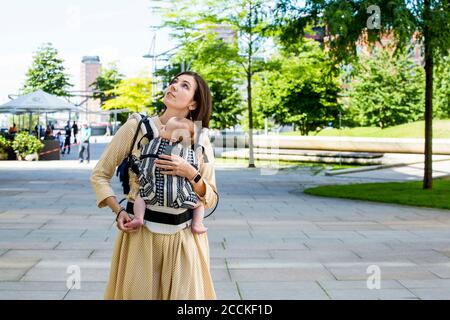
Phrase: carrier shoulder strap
[148,132]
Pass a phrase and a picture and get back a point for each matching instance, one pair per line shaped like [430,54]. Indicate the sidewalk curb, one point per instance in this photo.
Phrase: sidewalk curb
[376,167]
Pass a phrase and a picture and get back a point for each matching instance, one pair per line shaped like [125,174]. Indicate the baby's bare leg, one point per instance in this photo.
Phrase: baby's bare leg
[139,211]
[197,219]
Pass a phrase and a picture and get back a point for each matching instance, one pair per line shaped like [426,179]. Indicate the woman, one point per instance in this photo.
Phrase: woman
[153,265]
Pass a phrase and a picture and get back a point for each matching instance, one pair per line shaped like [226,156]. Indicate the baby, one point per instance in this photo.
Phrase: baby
[170,131]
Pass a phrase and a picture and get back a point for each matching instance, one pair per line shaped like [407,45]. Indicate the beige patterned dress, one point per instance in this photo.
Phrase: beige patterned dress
[146,264]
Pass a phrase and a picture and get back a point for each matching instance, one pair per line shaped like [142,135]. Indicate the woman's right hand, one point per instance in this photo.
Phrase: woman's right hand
[122,219]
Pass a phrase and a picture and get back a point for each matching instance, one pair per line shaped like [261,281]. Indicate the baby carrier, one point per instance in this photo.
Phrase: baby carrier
[160,189]
[184,197]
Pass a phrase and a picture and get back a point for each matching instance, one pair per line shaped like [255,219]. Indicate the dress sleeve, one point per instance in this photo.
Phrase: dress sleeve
[208,174]
[113,155]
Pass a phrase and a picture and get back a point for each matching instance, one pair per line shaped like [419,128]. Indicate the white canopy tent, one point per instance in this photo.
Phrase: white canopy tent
[38,102]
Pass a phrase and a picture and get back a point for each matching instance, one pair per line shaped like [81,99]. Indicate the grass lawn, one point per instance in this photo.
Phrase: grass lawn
[441,130]
[409,193]
[316,167]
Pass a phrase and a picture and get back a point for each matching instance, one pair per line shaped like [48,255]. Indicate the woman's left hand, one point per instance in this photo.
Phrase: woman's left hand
[175,165]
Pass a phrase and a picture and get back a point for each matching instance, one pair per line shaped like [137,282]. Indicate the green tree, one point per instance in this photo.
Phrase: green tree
[250,19]
[442,88]
[133,93]
[47,72]
[247,18]
[217,61]
[300,87]
[387,90]
[106,82]
[347,21]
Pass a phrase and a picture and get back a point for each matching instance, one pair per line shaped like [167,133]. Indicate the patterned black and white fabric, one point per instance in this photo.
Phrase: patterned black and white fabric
[163,189]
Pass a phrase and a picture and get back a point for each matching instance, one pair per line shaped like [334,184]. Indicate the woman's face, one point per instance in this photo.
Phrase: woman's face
[180,94]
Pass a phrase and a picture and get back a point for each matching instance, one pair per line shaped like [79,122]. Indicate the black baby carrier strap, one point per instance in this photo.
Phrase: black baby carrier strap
[127,163]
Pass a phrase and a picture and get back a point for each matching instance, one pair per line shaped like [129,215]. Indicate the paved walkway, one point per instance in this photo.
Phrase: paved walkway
[268,240]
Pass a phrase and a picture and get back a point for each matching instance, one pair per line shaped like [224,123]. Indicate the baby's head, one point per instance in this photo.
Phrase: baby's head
[178,129]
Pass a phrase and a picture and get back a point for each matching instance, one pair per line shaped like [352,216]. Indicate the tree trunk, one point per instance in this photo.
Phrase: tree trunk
[428,173]
[251,161]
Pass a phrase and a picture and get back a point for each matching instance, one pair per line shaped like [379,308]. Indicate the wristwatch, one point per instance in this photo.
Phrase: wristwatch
[197,177]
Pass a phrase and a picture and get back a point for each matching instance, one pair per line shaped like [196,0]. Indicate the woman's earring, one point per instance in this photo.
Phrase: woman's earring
[190,115]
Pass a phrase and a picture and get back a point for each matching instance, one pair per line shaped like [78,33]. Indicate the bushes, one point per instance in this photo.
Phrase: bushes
[25,144]
[386,90]
[5,145]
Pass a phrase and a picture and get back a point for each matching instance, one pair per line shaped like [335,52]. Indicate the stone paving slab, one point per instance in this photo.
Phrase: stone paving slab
[15,225]
[432,294]
[59,271]
[267,239]
[12,274]
[359,284]
[220,274]
[281,290]
[264,244]
[274,274]
[47,254]
[226,291]
[374,294]
[236,253]
[32,295]
[395,272]
[81,244]
[84,295]
[315,256]
[278,234]
[442,272]
[28,244]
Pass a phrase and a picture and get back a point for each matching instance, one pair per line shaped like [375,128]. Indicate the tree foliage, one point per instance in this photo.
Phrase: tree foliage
[349,21]
[132,93]
[442,88]
[205,51]
[106,82]
[47,73]
[345,21]
[387,90]
[218,62]
[300,87]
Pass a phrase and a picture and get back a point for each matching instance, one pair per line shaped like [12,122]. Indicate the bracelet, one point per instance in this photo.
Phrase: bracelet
[117,215]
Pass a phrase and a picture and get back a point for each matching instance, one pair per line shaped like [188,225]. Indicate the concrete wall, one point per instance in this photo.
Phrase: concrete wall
[383,145]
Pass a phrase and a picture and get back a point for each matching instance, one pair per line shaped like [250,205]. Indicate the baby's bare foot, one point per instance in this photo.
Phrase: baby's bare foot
[198,228]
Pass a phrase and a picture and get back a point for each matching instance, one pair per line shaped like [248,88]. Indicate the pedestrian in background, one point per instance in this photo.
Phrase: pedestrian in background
[60,139]
[85,134]
[68,131]
[75,131]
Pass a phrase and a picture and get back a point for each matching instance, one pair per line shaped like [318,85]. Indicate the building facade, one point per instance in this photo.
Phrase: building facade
[90,70]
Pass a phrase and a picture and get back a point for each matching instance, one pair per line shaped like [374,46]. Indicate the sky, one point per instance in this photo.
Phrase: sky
[114,30]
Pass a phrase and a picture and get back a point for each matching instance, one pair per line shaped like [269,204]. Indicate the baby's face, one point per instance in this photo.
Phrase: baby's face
[173,129]
[170,127]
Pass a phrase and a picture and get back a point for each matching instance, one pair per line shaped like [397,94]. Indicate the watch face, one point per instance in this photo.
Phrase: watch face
[197,177]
